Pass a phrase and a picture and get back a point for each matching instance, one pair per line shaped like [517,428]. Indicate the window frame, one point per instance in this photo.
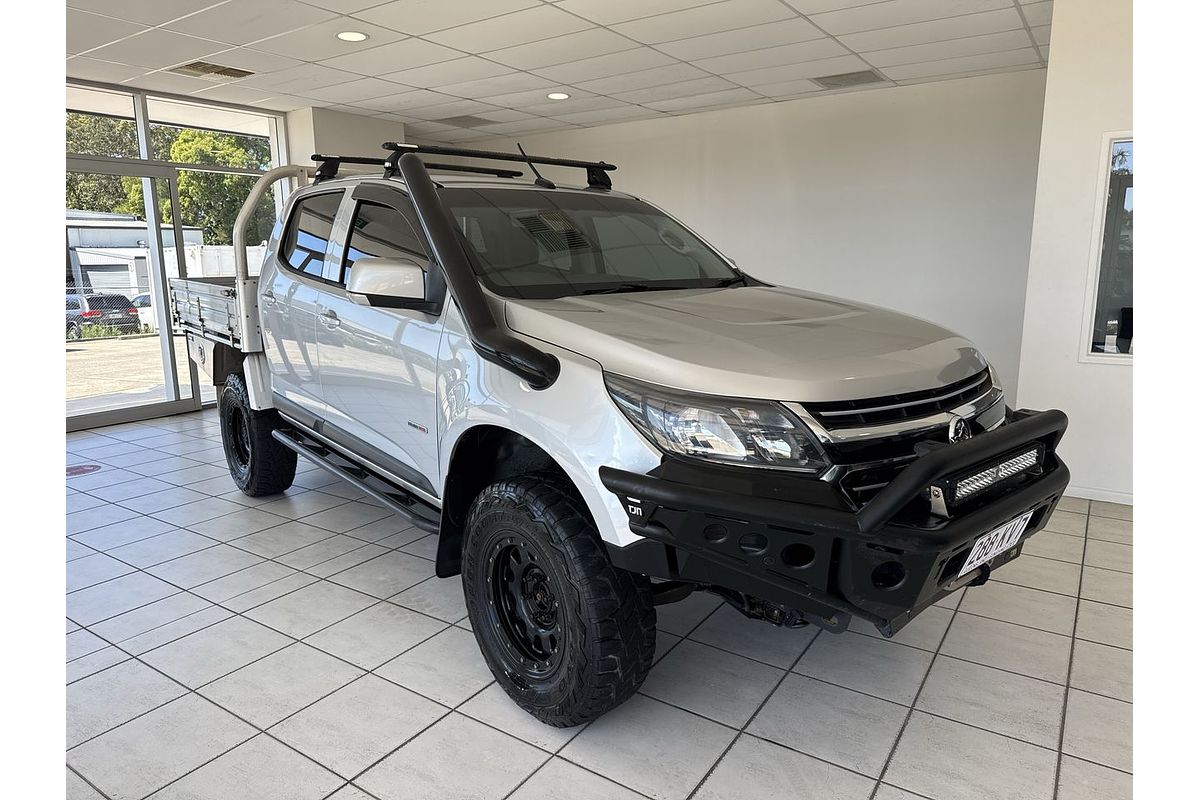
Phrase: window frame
[377,198]
[296,201]
[1096,255]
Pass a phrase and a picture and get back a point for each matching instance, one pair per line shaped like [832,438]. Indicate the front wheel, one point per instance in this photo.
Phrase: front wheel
[565,633]
[258,463]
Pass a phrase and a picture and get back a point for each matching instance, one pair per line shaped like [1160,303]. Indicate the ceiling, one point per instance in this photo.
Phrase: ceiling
[428,63]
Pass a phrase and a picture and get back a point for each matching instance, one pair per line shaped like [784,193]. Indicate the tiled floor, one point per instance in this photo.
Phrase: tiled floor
[298,647]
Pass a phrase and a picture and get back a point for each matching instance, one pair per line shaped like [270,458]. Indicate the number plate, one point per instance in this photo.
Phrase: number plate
[993,544]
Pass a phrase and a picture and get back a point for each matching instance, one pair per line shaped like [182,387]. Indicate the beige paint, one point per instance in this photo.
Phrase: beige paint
[321,130]
[1088,96]
[916,198]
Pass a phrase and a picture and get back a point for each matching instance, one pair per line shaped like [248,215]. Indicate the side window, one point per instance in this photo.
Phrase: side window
[308,231]
[381,232]
[72,304]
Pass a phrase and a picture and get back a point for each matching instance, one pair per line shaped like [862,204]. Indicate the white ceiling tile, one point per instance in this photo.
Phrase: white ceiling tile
[820,6]
[418,17]
[525,126]
[455,108]
[148,12]
[417,98]
[955,48]
[605,66]
[93,69]
[501,84]
[556,108]
[968,74]
[426,127]
[773,56]
[393,57]
[461,136]
[954,66]
[1005,19]
[1041,34]
[673,90]
[468,68]
[703,20]
[234,93]
[253,60]
[1038,13]
[298,80]
[608,12]
[86,31]
[522,100]
[157,48]
[284,102]
[562,49]
[622,113]
[245,22]
[354,91]
[807,69]
[709,100]
[343,6]
[168,82]
[319,42]
[900,12]
[755,37]
[510,30]
[788,88]
[643,79]
[1045,51]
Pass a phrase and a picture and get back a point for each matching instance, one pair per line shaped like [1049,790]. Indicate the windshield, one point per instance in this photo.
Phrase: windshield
[533,244]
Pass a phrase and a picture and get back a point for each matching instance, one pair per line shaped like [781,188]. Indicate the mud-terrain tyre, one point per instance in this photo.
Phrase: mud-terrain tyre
[566,634]
[258,464]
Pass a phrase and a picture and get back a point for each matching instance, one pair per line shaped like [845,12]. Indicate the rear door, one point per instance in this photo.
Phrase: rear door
[379,365]
[288,289]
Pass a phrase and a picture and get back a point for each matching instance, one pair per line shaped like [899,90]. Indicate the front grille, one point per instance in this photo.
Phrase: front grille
[899,407]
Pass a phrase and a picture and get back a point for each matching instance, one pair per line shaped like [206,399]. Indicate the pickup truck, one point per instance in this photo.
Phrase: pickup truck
[599,413]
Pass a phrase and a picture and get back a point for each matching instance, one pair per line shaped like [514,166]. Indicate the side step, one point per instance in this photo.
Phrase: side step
[398,499]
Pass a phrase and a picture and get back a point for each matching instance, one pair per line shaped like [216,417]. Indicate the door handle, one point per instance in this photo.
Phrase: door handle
[329,319]
[268,298]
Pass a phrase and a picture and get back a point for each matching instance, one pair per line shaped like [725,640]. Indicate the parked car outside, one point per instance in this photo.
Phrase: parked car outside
[105,311]
[145,311]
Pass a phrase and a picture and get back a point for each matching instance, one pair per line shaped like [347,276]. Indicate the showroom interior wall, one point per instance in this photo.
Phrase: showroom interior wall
[1089,96]
[323,130]
[918,198]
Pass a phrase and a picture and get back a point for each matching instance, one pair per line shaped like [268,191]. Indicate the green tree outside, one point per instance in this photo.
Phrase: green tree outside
[208,200]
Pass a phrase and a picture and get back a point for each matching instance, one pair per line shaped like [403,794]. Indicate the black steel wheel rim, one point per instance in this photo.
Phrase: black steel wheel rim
[524,606]
[239,436]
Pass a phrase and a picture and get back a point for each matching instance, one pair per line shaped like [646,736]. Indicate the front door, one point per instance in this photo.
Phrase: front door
[379,365]
[288,291]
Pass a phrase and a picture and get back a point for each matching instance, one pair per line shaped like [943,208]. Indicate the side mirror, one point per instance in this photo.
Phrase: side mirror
[388,283]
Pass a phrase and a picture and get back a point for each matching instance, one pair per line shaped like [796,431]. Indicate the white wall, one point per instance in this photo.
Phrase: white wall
[918,198]
[320,130]
[1088,95]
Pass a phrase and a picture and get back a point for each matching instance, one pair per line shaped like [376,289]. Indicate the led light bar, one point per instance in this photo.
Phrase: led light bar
[965,487]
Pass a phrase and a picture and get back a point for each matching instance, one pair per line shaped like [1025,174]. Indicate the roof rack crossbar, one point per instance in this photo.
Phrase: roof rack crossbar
[597,171]
[330,164]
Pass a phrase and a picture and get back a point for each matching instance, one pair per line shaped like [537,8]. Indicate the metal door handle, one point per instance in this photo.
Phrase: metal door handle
[329,319]
[268,298]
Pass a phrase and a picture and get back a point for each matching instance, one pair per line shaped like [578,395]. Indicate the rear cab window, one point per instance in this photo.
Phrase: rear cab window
[309,227]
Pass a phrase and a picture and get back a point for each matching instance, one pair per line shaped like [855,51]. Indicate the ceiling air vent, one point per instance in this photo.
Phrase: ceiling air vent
[848,79]
[465,121]
[210,72]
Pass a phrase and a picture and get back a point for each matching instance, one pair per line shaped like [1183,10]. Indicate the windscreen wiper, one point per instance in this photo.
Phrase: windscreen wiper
[736,280]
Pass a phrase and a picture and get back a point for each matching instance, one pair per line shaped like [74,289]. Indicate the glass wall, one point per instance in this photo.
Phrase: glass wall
[152,190]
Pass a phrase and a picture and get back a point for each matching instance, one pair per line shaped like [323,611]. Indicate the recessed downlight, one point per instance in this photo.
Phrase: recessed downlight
[353,36]
[557,96]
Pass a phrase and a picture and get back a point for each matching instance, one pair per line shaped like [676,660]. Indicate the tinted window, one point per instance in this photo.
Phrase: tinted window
[108,302]
[72,304]
[308,232]
[555,244]
[381,232]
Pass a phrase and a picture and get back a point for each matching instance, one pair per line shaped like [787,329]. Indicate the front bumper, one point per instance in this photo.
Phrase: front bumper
[884,562]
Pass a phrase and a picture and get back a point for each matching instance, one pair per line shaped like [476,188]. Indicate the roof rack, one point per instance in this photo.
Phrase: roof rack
[330,165]
[597,171]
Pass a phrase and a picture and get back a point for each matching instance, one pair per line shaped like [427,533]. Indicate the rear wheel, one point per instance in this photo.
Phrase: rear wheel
[258,464]
[566,634]
[74,332]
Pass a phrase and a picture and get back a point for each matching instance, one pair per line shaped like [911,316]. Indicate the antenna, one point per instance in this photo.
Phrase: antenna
[538,179]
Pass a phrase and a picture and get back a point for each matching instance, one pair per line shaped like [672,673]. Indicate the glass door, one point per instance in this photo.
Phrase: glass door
[123,241]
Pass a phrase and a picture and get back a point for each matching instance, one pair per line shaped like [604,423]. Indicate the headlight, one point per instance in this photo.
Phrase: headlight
[755,433]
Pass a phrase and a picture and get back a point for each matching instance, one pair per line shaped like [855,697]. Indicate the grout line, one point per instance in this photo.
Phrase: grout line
[1062,721]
